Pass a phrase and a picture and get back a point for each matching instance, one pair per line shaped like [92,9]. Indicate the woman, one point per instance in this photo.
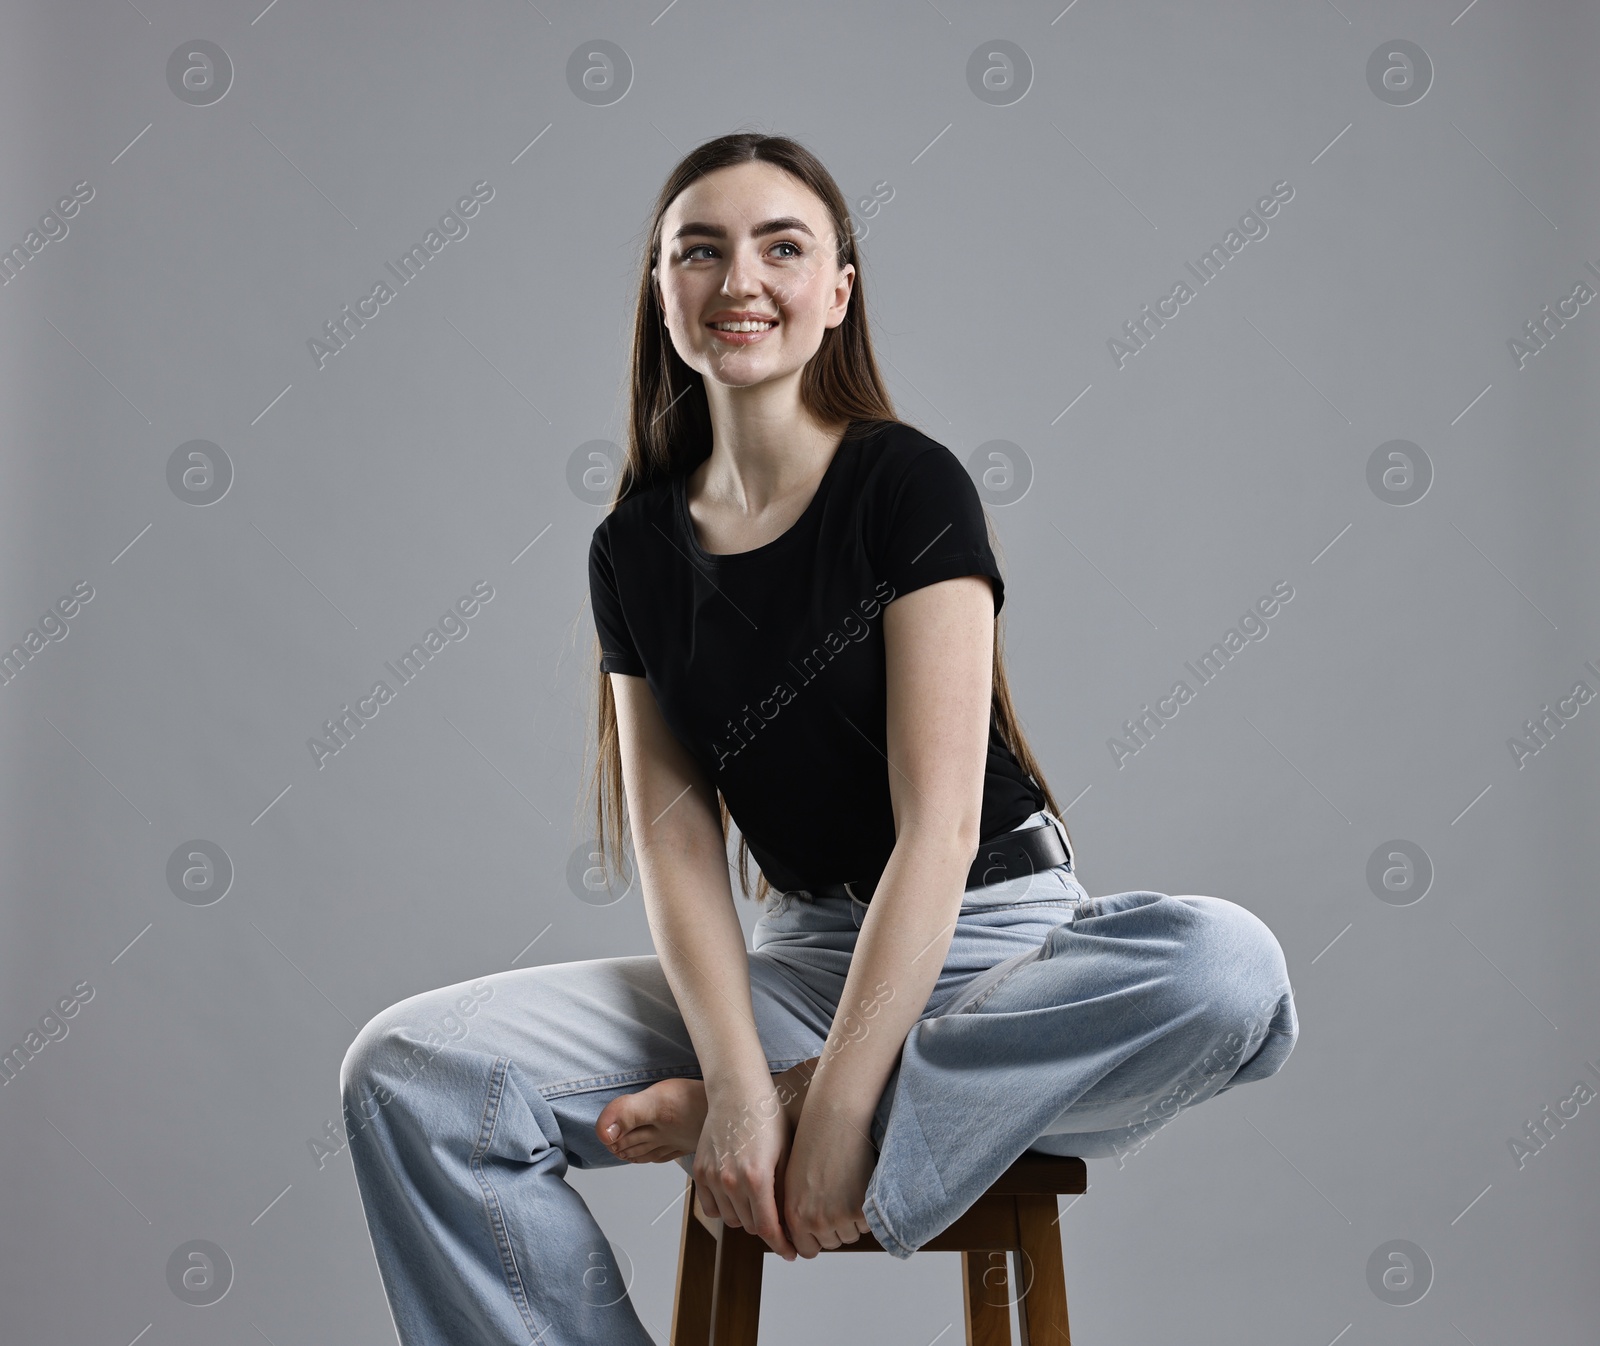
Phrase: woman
[796,601]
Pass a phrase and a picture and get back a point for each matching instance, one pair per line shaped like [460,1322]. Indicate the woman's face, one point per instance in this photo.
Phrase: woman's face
[749,242]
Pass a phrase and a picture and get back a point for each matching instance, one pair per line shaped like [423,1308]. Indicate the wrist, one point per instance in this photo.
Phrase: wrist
[742,1082]
[825,1110]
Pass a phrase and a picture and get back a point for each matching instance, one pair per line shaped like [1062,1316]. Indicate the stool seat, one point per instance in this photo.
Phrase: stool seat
[717,1301]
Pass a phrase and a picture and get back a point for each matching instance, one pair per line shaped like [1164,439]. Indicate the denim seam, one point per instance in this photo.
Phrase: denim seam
[876,1207]
[1038,954]
[491,1199]
[927,1149]
[591,1083]
[977,908]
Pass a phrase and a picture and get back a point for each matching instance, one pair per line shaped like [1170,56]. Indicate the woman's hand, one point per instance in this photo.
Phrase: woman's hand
[825,1182]
[740,1159]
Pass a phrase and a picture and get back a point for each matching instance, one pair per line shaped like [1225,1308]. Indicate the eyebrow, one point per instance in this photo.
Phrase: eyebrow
[783,224]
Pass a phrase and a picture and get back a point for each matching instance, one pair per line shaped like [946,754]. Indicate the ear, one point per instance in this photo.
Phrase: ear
[843,293]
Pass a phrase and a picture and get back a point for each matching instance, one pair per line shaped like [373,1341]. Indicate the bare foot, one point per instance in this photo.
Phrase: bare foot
[664,1122]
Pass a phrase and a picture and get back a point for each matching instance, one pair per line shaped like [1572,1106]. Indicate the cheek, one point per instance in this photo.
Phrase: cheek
[805,307]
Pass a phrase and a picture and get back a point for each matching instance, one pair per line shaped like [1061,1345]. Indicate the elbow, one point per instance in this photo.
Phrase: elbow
[956,837]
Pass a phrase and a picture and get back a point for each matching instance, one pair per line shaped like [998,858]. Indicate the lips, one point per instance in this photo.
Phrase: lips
[745,337]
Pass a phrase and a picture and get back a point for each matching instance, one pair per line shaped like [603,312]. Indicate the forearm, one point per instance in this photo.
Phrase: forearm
[904,937]
[689,904]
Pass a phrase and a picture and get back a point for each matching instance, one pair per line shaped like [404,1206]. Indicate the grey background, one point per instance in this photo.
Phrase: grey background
[433,453]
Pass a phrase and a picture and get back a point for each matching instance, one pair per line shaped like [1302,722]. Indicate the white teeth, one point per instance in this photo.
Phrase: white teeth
[744,326]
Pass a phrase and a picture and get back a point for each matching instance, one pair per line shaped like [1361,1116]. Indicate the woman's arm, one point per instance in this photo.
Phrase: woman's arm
[688,900]
[939,644]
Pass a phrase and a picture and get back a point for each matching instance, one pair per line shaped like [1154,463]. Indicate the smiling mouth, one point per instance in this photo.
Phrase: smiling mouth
[744,326]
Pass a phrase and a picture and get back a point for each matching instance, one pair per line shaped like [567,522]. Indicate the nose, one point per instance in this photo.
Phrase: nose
[742,277]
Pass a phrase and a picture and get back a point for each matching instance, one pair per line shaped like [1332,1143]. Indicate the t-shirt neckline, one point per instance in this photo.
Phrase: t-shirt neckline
[680,494]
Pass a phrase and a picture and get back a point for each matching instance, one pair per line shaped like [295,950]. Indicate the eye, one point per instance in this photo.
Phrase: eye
[785,243]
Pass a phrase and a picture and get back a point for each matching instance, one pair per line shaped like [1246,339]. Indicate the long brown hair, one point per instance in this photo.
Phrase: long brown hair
[669,434]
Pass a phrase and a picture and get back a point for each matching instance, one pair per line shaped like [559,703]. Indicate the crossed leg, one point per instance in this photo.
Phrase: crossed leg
[464,1107]
[1141,1006]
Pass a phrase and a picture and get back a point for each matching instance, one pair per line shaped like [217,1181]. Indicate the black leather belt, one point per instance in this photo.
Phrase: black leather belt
[1011,855]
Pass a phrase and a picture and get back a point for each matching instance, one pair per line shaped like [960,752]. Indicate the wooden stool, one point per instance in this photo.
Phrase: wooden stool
[718,1297]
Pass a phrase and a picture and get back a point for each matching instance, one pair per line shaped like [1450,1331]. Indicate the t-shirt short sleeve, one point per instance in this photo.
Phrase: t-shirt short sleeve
[618,654]
[936,529]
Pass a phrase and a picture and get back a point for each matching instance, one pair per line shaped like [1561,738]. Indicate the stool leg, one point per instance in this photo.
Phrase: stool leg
[984,1297]
[736,1294]
[1042,1311]
[697,1268]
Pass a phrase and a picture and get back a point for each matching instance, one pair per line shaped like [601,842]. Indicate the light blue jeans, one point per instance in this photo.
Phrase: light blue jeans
[1060,1023]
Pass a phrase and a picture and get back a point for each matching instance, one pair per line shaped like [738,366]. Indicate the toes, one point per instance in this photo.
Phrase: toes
[620,1113]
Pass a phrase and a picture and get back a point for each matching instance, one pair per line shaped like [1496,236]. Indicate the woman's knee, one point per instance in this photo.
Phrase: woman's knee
[1247,982]
[395,1046]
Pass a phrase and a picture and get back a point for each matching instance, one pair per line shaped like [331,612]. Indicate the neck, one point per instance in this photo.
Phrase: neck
[763,448]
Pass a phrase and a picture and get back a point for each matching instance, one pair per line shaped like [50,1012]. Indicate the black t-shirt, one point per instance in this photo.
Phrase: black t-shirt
[768,664]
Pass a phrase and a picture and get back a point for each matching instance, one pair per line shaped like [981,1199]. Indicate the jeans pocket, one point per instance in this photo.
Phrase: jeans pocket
[1055,887]
[981,986]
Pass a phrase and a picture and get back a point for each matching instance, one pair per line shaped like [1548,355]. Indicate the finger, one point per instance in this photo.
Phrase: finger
[765,1221]
[726,1211]
[742,1194]
[712,1201]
